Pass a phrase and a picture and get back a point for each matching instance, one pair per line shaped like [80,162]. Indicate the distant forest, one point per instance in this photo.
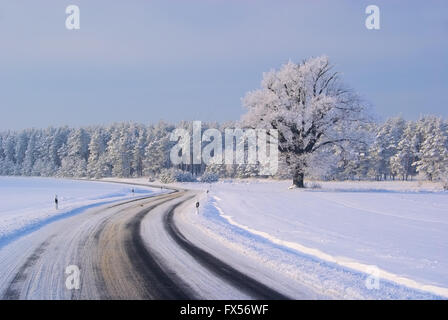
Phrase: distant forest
[395,149]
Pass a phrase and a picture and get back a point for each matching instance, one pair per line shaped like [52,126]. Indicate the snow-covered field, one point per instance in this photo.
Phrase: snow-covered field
[336,238]
[28,203]
[335,241]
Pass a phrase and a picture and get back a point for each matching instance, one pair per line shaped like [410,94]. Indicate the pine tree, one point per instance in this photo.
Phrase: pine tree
[97,166]
[74,154]
[21,146]
[120,152]
[385,147]
[31,154]
[157,149]
[138,153]
[402,163]
[433,161]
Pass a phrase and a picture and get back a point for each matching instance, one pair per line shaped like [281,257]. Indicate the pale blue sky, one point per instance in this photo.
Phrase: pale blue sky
[194,60]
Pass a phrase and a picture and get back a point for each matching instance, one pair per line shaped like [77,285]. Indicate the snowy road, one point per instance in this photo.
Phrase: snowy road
[130,250]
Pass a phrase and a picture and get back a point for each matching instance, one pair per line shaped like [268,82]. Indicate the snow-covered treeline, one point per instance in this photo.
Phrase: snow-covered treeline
[398,149]
[119,150]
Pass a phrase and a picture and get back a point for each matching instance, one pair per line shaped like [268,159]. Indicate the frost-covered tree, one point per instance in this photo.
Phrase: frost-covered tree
[217,169]
[138,152]
[59,140]
[209,177]
[433,162]
[156,155]
[9,161]
[2,151]
[31,154]
[385,147]
[21,146]
[74,154]
[311,109]
[119,150]
[245,170]
[44,164]
[344,163]
[97,165]
[402,163]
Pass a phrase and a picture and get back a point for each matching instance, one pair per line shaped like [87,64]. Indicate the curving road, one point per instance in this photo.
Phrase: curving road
[117,260]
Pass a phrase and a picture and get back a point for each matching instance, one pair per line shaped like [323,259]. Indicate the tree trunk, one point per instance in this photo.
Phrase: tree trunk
[297,179]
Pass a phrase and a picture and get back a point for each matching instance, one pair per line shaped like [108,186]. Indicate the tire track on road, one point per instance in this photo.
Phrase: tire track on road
[13,290]
[147,277]
[238,279]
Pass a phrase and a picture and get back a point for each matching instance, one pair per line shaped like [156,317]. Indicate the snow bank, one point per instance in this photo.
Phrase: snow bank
[399,227]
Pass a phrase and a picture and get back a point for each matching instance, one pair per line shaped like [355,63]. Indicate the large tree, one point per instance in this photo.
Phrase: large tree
[311,109]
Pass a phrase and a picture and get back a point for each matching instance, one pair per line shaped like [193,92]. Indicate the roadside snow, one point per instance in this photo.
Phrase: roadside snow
[350,228]
[28,203]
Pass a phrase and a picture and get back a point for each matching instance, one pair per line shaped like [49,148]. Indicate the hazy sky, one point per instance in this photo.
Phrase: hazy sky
[194,60]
